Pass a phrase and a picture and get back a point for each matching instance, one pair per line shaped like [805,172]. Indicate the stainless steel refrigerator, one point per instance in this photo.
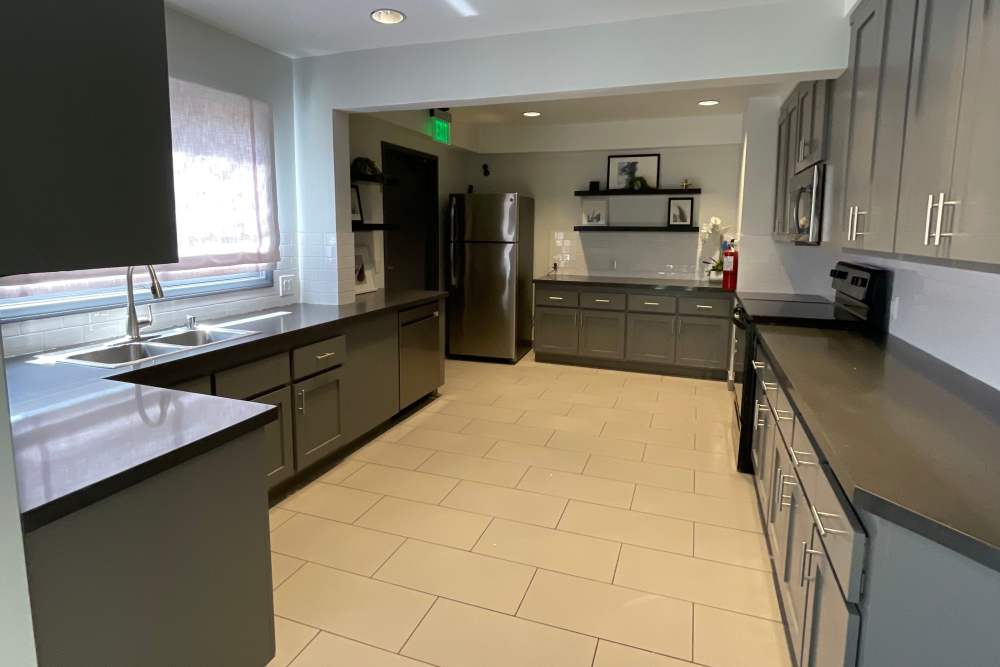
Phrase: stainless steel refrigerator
[490,260]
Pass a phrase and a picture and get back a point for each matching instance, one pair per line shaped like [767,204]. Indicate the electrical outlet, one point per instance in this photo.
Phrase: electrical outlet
[286,285]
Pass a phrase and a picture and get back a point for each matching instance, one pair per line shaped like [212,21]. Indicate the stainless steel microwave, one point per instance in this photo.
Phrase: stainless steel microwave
[804,213]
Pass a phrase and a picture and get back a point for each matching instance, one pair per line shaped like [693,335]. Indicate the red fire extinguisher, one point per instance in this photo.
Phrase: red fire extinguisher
[730,265]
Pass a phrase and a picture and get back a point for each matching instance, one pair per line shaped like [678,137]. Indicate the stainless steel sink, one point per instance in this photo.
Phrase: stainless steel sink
[199,337]
[121,355]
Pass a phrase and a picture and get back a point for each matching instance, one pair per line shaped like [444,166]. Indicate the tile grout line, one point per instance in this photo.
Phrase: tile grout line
[525,595]
[402,646]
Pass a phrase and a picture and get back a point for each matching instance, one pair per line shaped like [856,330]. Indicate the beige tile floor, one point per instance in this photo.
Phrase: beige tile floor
[533,515]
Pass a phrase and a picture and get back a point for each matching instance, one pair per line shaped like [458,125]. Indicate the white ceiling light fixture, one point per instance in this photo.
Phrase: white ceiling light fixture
[388,16]
[531,114]
[708,103]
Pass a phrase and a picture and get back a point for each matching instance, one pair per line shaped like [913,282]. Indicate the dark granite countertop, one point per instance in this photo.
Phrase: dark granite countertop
[908,437]
[632,281]
[82,433]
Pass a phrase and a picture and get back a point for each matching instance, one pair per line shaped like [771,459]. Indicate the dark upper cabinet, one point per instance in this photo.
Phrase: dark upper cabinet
[926,201]
[786,119]
[87,179]
[809,145]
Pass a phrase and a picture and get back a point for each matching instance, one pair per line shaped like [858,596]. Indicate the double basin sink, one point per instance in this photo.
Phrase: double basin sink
[168,342]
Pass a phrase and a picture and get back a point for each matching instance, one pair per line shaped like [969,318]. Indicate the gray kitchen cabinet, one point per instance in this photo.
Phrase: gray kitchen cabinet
[651,338]
[702,342]
[793,582]
[198,385]
[557,330]
[809,145]
[760,452]
[279,442]
[420,342]
[602,334]
[784,169]
[371,374]
[91,108]
[318,417]
[936,71]
[973,223]
[781,501]
[832,626]
[253,378]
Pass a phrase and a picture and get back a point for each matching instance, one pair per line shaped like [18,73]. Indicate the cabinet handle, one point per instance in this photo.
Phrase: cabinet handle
[850,223]
[807,555]
[784,415]
[799,462]
[302,401]
[651,303]
[702,307]
[940,217]
[325,355]
[823,530]
[856,214]
[927,219]
[768,386]
[555,298]
[756,415]
[602,300]
[758,365]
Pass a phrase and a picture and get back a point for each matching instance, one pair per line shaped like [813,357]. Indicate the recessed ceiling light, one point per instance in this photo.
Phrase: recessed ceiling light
[532,114]
[388,16]
[708,103]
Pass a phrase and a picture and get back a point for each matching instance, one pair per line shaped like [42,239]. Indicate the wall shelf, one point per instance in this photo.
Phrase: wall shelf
[631,228]
[638,193]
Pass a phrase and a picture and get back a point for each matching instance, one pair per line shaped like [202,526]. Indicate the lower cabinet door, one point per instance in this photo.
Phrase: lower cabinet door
[650,338]
[557,330]
[793,584]
[702,342]
[602,334]
[318,419]
[781,503]
[419,358]
[832,626]
[280,443]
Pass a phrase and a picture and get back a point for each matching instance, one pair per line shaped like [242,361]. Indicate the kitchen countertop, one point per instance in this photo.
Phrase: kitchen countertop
[630,281]
[82,433]
[908,437]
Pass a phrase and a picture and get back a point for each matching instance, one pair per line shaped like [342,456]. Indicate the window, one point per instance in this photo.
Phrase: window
[225,194]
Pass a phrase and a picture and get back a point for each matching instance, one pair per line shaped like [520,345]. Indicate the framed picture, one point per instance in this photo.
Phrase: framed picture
[364,268]
[593,211]
[357,215]
[623,169]
[680,212]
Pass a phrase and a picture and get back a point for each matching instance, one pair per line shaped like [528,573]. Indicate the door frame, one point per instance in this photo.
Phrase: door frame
[433,248]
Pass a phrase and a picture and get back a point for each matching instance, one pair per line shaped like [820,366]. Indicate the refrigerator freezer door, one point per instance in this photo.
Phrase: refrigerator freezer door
[482,299]
[484,218]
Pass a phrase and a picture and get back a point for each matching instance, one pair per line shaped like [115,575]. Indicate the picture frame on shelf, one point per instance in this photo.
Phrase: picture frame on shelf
[625,170]
[365,267]
[357,213]
[680,212]
[594,211]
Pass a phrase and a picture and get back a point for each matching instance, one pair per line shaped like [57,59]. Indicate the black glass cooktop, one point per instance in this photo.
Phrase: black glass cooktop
[793,309]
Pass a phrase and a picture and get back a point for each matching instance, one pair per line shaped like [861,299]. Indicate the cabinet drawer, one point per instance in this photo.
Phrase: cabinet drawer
[711,307]
[319,356]
[602,300]
[547,296]
[842,535]
[418,313]
[647,303]
[253,378]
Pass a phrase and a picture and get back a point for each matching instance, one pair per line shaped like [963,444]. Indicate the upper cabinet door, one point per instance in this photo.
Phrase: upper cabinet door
[810,138]
[863,75]
[88,179]
[973,222]
[784,171]
[936,70]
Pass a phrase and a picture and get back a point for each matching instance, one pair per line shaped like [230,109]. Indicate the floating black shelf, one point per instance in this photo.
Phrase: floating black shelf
[362,227]
[631,228]
[637,193]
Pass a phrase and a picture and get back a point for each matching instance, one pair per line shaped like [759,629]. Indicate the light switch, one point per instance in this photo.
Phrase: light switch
[286,285]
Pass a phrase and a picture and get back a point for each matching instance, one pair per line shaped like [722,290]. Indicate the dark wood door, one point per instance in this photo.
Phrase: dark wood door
[410,207]
[88,166]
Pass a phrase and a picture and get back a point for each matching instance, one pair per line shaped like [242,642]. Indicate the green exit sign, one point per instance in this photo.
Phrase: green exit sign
[439,130]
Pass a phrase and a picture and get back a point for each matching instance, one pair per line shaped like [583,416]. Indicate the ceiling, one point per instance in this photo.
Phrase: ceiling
[300,28]
[674,103]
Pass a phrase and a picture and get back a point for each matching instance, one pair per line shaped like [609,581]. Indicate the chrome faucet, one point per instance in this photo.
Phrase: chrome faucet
[135,325]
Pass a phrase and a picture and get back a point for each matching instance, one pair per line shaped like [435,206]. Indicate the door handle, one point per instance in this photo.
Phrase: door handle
[758,365]
[850,223]
[940,218]
[783,415]
[856,214]
[325,355]
[807,555]
[651,303]
[555,298]
[768,386]
[927,219]
[823,530]
[703,307]
[602,300]
[302,401]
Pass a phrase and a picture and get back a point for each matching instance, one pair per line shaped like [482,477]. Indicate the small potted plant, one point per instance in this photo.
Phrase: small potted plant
[714,228]
[714,269]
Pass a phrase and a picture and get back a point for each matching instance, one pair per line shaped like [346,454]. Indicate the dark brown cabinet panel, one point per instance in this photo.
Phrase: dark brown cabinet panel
[419,356]
[557,330]
[650,339]
[602,334]
[88,177]
[318,417]
[279,446]
[702,342]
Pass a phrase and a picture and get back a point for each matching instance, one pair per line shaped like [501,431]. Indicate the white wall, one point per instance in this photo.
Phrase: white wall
[551,178]
[197,52]
[17,641]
